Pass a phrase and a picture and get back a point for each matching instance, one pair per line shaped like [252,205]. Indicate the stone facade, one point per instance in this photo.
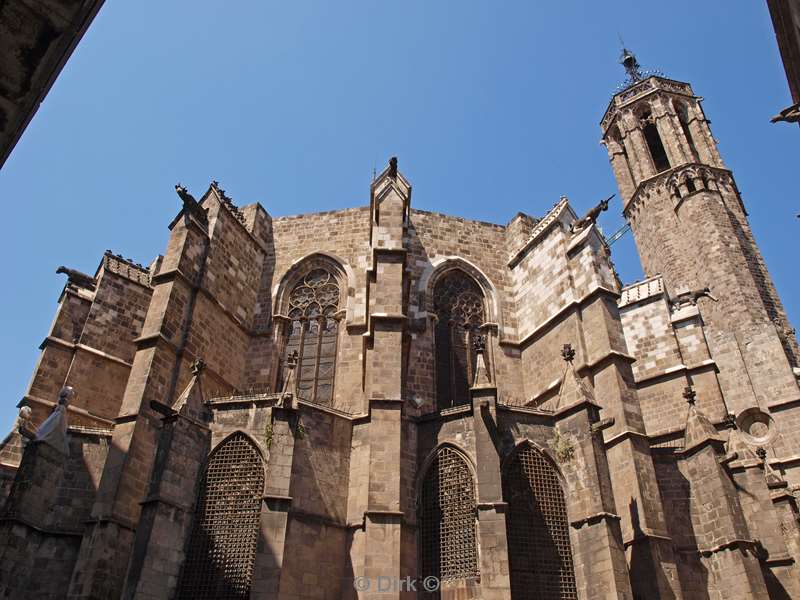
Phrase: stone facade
[339,405]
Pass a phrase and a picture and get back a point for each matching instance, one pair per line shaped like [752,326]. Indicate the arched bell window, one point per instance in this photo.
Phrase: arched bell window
[222,546]
[446,521]
[459,307]
[312,333]
[683,118]
[539,551]
[654,143]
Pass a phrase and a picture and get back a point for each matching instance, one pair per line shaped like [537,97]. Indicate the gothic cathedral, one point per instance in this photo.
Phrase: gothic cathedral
[387,403]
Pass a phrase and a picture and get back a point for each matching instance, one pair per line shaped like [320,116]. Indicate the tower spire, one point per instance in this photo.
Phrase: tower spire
[628,60]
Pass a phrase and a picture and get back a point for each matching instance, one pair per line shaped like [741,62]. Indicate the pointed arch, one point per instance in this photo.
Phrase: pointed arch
[684,118]
[327,260]
[440,266]
[446,518]
[539,549]
[222,545]
[459,303]
[310,302]
[652,136]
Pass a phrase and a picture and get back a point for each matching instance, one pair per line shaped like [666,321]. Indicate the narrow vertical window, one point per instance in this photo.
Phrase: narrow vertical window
[683,118]
[222,546]
[312,333]
[657,151]
[458,304]
[446,522]
[539,551]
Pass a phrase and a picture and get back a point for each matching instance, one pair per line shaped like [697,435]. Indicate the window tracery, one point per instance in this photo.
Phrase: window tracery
[222,545]
[446,520]
[459,307]
[312,333]
[539,550]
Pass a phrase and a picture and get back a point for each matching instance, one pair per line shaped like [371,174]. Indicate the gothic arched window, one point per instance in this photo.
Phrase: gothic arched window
[312,333]
[446,520]
[458,304]
[653,138]
[683,118]
[539,551]
[222,546]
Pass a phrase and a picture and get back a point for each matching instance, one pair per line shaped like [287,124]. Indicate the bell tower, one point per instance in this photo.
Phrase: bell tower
[691,227]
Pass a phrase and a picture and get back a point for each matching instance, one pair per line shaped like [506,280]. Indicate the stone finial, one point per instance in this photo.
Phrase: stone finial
[729,421]
[698,428]
[568,353]
[773,478]
[689,395]
[572,388]
[197,366]
[481,377]
[393,167]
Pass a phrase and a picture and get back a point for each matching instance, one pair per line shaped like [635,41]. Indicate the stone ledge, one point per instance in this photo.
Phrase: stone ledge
[85,348]
[594,519]
[12,518]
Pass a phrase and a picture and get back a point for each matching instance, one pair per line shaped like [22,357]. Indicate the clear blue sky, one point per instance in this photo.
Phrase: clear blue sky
[491,107]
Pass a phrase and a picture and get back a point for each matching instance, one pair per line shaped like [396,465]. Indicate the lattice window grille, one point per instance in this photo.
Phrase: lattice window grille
[222,545]
[446,520]
[459,307]
[540,554]
[313,333]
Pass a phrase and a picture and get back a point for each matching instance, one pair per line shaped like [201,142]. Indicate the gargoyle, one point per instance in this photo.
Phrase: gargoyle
[190,205]
[788,115]
[691,297]
[76,278]
[188,199]
[590,218]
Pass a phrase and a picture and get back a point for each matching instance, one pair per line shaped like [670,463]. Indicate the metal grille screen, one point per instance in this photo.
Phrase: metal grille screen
[539,552]
[222,547]
[446,520]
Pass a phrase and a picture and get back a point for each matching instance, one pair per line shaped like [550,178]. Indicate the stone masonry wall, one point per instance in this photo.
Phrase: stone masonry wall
[44,517]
